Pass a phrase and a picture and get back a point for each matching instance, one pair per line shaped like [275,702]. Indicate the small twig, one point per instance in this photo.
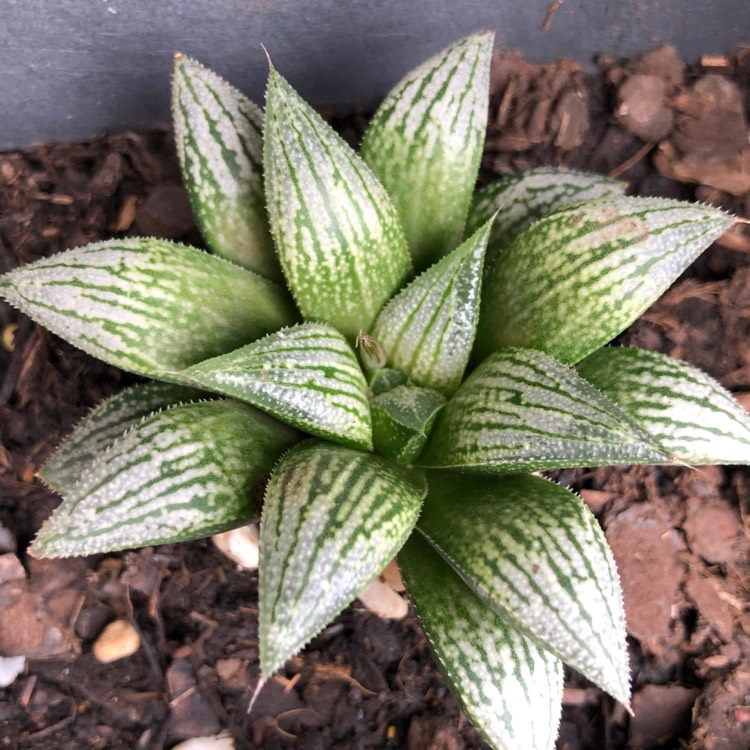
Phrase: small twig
[552,9]
[633,160]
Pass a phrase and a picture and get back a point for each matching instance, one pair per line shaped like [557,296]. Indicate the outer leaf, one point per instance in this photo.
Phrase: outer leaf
[521,410]
[575,279]
[307,376]
[149,306]
[425,142]
[519,200]
[684,409]
[332,519]
[101,427]
[219,138]
[536,554]
[510,688]
[427,330]
[183,473]
[402,419]
[337,232]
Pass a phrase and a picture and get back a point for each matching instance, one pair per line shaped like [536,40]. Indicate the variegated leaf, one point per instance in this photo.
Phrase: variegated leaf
[521,410]
[535,553]
[99,429]
[684,409]
[149,306]
[427,330]
[402,419]
[510,687]
[520,199]
[332,520]
[219,139]
[183,473]
[336,230]
[307,376]
[575,279]
[425,142]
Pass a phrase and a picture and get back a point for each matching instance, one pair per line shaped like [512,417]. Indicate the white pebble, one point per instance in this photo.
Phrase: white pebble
[381,599]
[10,668]
[240,545]
[219,742]
[118,640]
[7,540]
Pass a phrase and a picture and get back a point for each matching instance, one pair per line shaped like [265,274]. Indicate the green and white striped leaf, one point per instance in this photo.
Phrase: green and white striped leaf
[219,139]
[307,376]
[520,199]
[149,306]
[427,329]
[509,687]
[536,554]
[683,408]
[337,233]
[425,142]
[99,429]
[332,520]
[575,279]
[402,419]
[521,410]
[183,473]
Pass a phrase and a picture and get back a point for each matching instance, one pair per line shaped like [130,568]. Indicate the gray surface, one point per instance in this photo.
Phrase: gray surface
[72,69]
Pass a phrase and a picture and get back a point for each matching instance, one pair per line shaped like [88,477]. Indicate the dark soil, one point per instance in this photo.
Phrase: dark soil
[680,536]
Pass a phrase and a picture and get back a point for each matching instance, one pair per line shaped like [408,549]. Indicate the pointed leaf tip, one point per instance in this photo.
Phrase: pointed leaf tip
[573,280]
[337,233]
[219,139]
[332,520]
[508,685]
[541,561]
[425,142]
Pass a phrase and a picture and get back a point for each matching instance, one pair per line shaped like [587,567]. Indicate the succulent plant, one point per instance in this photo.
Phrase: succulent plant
[401,355]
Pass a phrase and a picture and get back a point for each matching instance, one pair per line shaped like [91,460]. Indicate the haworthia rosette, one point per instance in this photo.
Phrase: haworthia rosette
[521,410]
[149,306]
[183,473]
[219,139]
[336,230]
[307,376]
[573,280]
[536,554]
[427,330]
[332,520]
[510,687]
[402,418]
[99,429]
[684,409]
[520,199]
[425,142]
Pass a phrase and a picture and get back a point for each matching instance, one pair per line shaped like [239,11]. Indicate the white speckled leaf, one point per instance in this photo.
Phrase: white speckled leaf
[149,306]
[520,199]
[307,376]
[99,429]
[332,520]
[337,233]
[535,553]
[521,410]
[510,687]
[427,329]
[219,139]
[402,418]
[183,473]
[573,280]
[684,409]
[425,142]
